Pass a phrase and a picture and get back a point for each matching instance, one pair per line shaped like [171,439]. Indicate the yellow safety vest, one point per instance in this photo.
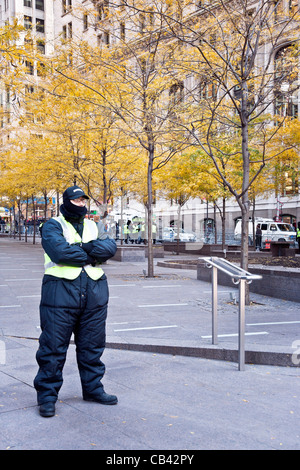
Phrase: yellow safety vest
[90,232]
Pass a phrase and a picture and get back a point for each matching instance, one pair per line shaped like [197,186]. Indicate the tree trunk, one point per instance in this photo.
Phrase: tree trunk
[253,222]
[149,212]
[19,217]
[223,222]
[46,205]
[215,223]
[26,218]
[245,205]
[57,203]
[178,226]
[34,221]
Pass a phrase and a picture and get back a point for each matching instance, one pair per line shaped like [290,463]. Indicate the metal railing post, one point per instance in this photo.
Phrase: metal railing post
[214,305]
[238,276]
[242,293]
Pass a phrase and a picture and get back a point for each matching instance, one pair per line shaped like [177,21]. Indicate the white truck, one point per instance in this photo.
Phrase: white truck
[271,231]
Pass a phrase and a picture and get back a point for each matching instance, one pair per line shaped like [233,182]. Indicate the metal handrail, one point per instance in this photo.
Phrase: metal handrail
[239,276]
[231,269]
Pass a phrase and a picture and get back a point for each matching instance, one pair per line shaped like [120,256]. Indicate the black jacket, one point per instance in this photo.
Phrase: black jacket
[61,252]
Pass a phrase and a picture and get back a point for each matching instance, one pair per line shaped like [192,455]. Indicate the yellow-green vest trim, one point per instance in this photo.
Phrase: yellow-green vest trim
[90,232]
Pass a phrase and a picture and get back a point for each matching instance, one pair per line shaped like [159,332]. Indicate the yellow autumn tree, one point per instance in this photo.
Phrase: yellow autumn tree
[231,88]
[139,92]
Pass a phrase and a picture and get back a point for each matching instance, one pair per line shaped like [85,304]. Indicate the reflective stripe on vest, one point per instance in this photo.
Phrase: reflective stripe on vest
[90,232]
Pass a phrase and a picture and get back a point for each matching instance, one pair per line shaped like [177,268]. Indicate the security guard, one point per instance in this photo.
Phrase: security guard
[298,235]
[74,300]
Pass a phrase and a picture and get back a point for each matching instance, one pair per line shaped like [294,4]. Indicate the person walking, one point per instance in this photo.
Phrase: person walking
[298,235]
[258,238]
[74,299]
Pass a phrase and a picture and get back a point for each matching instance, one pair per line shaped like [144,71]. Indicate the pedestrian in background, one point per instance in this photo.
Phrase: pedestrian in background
[258,237]
[298,235]
[74,300]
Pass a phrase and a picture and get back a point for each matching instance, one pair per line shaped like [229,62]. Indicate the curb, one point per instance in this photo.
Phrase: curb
[230,355]
[219,354]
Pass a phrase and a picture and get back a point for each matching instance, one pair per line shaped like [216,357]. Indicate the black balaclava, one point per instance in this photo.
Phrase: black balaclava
[70,211]
[73,211]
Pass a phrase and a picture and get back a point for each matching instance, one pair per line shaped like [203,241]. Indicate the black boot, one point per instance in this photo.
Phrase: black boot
[101,397]
[47,410]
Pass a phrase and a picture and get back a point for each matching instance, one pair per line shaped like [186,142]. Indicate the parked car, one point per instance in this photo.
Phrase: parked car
[170,234]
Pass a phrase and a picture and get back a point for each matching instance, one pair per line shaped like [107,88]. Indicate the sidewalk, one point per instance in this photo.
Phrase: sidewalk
[177,400]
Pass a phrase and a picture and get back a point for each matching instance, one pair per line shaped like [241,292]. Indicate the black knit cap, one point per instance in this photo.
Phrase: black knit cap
[73,192]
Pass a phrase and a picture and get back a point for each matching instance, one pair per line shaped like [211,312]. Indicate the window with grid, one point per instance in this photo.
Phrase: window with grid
[39,5]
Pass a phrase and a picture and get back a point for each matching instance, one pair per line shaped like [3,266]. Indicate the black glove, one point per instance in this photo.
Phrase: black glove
[87,247]
[91,260]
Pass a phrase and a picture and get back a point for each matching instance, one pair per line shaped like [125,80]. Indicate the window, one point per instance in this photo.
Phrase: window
[288,219]
[103,10]
[208,227]
[28,44]
[85,21]
[293,6]
[278,10]
[29,89]
[99,12]
[39,5]
[40,25]
[286,86]
[67,31]
[142,23]
[66,6]
[27,22]
[285,228]
[40,46]
[103,38]
[208,90]
[290,184]
[41,69]
[287,178]
[7,92]
[176,93]
[106,38]
[29,67]
[64,31]
[27,3]
[122,30]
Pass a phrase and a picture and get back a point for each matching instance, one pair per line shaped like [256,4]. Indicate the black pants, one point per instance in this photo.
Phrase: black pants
[78,306]
[258,241]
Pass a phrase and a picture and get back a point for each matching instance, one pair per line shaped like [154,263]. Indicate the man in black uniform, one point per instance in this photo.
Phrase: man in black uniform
[74,300]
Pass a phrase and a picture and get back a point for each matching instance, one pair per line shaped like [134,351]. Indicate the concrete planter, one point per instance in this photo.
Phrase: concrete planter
[136,253]
[183,247]
[130,253]
[280,283]
[158,251]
